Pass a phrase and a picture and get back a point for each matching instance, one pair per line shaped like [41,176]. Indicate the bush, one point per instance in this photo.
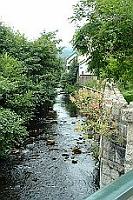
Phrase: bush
[22,104]
[128,95]
[11,130]
[29,73]
[127,90]
[69,89]
[95,84]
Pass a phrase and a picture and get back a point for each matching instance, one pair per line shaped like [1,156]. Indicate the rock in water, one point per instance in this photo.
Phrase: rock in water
[74,161]
[50,142]
[65,154]
[76,150]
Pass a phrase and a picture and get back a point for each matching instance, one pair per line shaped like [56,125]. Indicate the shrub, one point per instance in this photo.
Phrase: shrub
[128,95]
[11,130]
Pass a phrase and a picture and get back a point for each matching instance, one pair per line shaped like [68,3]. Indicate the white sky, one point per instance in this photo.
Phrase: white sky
[33,16]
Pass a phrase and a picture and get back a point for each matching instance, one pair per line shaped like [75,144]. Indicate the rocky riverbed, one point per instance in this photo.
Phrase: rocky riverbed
[55,165]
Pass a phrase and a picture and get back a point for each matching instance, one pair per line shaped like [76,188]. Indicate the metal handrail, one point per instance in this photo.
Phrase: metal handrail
[120,189]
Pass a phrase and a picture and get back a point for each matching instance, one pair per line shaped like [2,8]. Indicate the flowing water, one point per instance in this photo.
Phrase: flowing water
[51,172]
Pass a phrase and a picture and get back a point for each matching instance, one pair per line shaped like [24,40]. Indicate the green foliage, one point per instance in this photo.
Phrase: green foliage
[127,92]
[22,104]
[69,78]
[71,107]
[95,84]
[29,73]
[12,78]
[127,89]
[11,130]
[106,37]
[70,89]
[128,95]
[95,150]
[10,68]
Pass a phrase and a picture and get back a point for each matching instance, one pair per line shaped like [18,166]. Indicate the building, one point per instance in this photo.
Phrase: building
[73,57]
[83,74]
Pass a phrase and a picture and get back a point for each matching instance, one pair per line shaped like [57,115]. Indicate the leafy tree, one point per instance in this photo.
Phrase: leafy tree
[106,36]
[29,73]
[69,78]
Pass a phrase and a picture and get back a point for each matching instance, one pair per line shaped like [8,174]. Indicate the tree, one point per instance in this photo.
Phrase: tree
[106,36]
[29,74]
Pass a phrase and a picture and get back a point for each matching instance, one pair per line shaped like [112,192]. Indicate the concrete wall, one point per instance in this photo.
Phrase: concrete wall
[117,149]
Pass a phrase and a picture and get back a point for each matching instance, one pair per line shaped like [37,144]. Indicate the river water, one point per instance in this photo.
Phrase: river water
[51,172]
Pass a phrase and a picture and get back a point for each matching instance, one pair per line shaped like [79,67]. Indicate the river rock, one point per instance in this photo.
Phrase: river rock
[41,137]
[73,122]
[76,150]
[50,142]
[55,134]
[51,121]
[65,154]
[30,146]
[49,118]
[35,179]
[72,157]
[24,151]
[79,142]
[63,121]
[54,158]
[74,161]
[17,187]
[15,151]
[65,150]
[51,111]
[29,140]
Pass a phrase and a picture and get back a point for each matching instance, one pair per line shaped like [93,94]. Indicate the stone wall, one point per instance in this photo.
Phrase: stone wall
[127,117]
[117,149]
[82,79]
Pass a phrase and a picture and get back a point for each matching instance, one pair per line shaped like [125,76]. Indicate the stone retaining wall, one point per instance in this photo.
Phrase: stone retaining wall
[116,152]
[82,79]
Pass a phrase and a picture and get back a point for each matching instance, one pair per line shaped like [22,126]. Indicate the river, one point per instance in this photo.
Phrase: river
[43,171]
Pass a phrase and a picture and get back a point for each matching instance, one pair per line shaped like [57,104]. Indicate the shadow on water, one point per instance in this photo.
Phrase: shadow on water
[46,167]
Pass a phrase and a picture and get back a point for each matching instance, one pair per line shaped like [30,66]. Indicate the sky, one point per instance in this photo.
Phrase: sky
[31,17]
